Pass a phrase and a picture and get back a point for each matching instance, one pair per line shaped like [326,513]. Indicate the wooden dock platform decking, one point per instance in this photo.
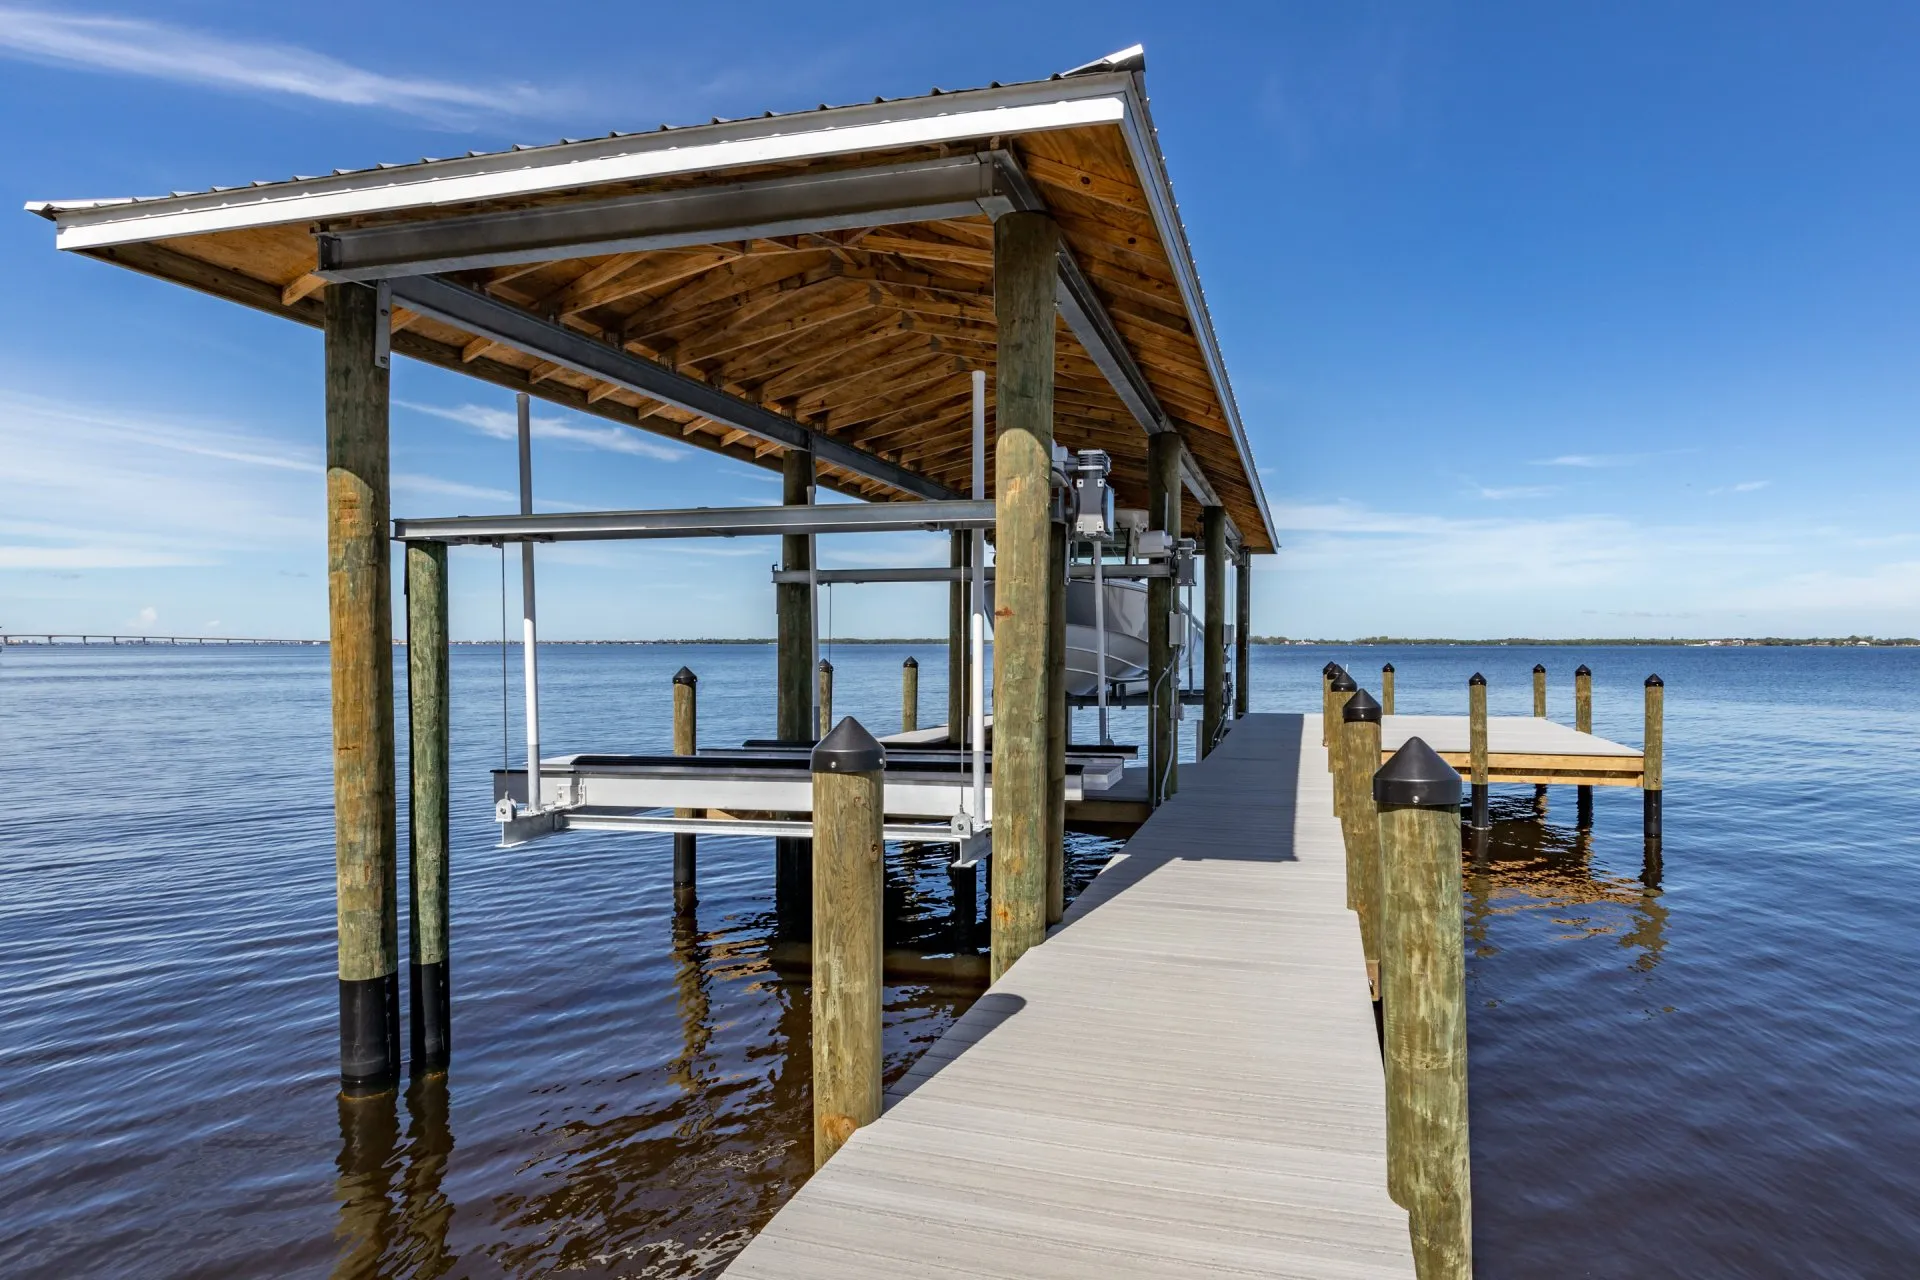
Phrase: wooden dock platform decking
[1521,749]
[1183,1080]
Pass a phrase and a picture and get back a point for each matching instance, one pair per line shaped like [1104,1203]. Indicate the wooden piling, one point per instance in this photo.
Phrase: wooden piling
[1386,690]
[1163,676]
[1653,748]
[1024,251]
[1423,997]
[910,696]
[360,629]
[960,557]
[849,867]
[1057,724]
[1583,721]
[686,742]
[792,855]
[1539,713]
[1213,714]
[1339,689]
[429,810]
[1360,822]
[1242,633]
[1326,703]
[1477,747]
[825,698]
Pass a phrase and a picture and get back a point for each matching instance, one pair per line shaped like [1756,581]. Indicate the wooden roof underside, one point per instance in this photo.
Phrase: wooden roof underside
[866,336]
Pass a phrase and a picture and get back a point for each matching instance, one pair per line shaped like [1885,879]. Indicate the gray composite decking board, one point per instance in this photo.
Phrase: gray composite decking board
[1506,735]
[1182,1080]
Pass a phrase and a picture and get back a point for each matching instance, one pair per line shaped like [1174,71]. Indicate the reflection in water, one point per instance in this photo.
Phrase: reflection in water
[1525,863]
[664,1167]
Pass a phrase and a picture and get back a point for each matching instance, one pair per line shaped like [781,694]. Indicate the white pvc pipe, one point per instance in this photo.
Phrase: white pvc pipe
[1100,633]
[977,626]
[528,632]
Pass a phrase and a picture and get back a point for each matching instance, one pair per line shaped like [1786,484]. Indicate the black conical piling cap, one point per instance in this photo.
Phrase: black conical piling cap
[825,665]
[1342,682]
[1361,709]
[1655,682]
[848,749]
[1539,668]
[1417,775]
[1583,670]
[685,676]
[1388,667]
[1476,679]
[910,662]
[1329,669]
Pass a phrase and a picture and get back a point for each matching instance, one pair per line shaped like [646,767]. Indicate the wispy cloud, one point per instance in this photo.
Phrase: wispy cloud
[156,50]
[1745,486]
[1505,493]
[405,482]
[502,425]
[1590,460]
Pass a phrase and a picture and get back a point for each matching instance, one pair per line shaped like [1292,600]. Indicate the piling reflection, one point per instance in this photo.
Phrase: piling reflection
[1527,863]
[369,1134]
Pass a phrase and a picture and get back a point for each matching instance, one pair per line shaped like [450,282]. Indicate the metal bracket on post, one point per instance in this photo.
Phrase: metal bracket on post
[383,325]
[975,843]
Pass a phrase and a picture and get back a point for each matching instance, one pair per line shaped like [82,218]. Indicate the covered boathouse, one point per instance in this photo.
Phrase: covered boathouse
[820,293]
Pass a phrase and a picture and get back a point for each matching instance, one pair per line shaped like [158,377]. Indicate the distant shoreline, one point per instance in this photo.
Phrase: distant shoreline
[1731,642]
[66,640]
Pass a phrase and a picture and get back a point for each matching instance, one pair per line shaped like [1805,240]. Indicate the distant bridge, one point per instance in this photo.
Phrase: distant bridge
[95,638]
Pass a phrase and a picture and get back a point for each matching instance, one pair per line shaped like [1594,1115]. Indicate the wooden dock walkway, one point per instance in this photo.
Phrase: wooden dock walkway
[1183,1080]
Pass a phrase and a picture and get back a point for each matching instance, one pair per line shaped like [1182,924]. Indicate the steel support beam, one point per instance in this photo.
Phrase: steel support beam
[701,522]
[941,573]
[920,191]
[535,335]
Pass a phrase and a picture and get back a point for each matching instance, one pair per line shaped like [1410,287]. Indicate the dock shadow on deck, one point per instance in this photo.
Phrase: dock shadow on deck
[1182,1080]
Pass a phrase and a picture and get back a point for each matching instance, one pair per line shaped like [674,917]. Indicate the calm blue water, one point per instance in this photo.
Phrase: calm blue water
[1710,1078]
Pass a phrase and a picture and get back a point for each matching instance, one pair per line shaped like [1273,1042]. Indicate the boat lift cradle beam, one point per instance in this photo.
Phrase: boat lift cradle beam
[946,573]
[700,522]
[408,257]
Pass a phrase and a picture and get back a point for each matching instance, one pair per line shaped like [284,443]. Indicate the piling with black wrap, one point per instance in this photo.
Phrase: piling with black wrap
[685,743]
[909,696]
[360,654]
[849,867]
[428,702]
[1583,721]
[1477,746]
[1539,713]
[1057,725]
[1423,996]
[1360,822]
[1653,748]
[793,680]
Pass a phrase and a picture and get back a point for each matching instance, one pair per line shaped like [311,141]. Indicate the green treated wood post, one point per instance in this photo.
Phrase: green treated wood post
[1477,748]
[1539,713]
[1024,250]
[1213,713]
[1326,703]
[1360,823]
[793,681]
[826,697]
[1583,721]
[686,742]
[1163,678]
[1386,690]
[910,696]
[1057,724]
[360,629]
[1242,633]
[849,870]
[1654,749]
[961,557]
[429,807]
[1423,997]
[1339,689]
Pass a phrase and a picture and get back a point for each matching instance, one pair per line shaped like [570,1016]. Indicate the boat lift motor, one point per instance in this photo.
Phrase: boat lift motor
[1092,496]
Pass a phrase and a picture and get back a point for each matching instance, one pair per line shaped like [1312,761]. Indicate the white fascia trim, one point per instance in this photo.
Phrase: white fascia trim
[1015,109]
[1138,129]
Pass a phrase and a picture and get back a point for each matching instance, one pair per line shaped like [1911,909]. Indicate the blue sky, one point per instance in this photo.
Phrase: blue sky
[1547,320]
